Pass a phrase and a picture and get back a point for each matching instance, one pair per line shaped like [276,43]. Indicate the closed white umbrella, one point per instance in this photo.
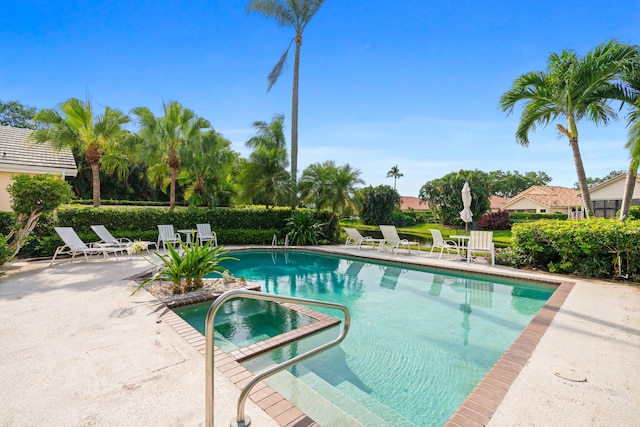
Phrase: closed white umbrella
[466,215]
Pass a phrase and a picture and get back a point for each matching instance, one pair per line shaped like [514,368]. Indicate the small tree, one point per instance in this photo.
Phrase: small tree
[378,203]
[31,196]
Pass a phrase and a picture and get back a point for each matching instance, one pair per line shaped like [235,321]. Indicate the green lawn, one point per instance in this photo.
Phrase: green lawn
[501,238]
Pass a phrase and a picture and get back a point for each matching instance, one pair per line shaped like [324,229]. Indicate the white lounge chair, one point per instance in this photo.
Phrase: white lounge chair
[440,242]
[166,234]
[107,238]
[73,246]
[205,234]
[354,238]
[392,240]
[481,241]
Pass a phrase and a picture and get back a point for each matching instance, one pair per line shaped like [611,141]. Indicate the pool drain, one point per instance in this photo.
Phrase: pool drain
[568,374]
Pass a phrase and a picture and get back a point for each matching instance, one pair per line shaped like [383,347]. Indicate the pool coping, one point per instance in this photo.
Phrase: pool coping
[475,411]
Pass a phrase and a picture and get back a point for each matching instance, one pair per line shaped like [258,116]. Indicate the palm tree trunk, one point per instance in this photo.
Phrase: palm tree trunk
[172,188]
[629,187]
[294,123]
[95,173]
[582,177]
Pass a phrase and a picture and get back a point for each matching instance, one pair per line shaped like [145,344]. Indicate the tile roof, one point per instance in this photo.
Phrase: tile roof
[414,203]
[549,196]
[497,202]
[17,154]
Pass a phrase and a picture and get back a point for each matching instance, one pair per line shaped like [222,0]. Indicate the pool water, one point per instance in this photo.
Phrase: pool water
[240,323]
[420,339]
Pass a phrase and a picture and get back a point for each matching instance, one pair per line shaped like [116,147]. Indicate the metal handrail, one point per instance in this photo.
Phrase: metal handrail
[209,328]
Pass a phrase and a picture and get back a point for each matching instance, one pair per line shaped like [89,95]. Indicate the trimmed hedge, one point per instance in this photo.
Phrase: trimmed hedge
[233,226]
[597,247]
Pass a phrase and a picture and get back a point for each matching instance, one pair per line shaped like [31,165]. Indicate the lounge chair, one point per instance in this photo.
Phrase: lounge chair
[205,234]
[73,246]
[354,238]
[392,240]
[166,234]
[481,241]
[106,238]
[439,242]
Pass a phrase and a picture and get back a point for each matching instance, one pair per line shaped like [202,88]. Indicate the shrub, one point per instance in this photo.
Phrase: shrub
[399,219]
[303,228]
[596,247]
[507,256]
[495,221]
[4,250]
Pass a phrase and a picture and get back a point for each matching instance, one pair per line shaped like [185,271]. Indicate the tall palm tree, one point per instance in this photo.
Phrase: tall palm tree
[633,145]
[294,14]
[165,139]
[264,176]
[573,88]
[394,173]
[99,138]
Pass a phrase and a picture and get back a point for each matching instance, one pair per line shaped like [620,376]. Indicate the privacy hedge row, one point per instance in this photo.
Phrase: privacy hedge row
[598,247]
[233,226]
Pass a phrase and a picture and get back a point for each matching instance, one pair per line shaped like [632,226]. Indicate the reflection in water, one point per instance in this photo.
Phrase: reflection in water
[390,277]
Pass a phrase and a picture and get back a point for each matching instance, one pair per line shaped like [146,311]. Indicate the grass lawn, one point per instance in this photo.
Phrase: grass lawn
[501,238]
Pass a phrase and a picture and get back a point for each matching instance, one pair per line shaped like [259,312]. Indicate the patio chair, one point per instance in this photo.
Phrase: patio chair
[354,238]
[439,242]
[106,238]
[73,246]
[481,241]
[205,234]
[166,234]
[392,240]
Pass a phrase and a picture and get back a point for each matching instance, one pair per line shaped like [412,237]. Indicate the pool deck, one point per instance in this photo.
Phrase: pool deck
[77,350]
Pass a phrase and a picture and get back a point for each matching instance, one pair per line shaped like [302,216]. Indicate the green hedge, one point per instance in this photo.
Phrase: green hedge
[597,247]
[252,225]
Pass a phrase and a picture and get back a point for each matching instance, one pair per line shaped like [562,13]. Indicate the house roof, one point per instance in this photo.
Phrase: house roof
[549,196]
[19,155]
[497,202]
[622,176]
[409,202]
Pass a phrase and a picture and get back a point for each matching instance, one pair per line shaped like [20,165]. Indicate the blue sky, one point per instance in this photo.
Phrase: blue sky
[412,83]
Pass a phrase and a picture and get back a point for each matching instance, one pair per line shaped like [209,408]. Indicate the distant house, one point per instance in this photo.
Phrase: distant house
[413,203]
[496,203]
[18,155]
[545,199]
[606,197]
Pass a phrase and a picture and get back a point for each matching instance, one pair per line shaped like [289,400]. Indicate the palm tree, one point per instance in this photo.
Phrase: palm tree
[295,14]
[572,88]
[631,76]
[99,138]
[327,186]
[165,140]
[264,176]
[207,168]
[394,173]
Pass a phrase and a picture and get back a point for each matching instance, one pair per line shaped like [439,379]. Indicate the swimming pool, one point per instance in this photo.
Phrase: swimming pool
[420,339]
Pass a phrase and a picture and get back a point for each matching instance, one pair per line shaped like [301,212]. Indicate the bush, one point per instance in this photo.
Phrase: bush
[304,229]
[399,219]
[5,254]
[495,221]
[529,216]
[507,256]
[596,247]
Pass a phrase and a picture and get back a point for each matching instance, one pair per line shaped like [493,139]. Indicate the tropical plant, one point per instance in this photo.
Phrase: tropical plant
[264,177]
[186,268]
[508,184]
[495,221]
[574,88]
[378,203]
[100,138]
[394,173]
[303,228]
[294,14]
[207,169]
[326,186]
[165,140]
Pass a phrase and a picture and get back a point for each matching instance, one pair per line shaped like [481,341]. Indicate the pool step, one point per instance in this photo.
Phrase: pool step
[357,398]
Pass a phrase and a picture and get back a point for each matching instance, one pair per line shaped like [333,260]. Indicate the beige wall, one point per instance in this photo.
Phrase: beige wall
[613,191]
[5,199]
[528,204]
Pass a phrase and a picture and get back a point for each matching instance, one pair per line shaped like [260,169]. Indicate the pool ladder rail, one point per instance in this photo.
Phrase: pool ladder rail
[241,420]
